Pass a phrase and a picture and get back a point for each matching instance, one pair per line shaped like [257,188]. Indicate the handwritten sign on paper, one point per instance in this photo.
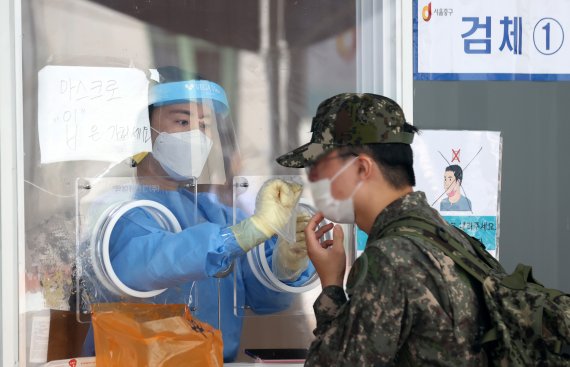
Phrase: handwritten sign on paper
[92,113]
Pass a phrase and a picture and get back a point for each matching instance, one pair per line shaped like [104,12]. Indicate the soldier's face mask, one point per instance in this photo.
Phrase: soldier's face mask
[339,211]
[182,155]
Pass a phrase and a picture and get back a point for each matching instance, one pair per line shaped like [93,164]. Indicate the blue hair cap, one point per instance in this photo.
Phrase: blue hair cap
[184,91]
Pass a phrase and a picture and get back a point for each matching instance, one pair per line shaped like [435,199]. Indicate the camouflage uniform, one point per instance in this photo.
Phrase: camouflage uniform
[408,303]
[407,300]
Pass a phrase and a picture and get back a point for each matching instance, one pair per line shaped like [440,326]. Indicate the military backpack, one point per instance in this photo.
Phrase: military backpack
[529,324]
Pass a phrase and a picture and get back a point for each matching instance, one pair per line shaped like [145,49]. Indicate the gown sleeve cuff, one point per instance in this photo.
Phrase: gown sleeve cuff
[220,259]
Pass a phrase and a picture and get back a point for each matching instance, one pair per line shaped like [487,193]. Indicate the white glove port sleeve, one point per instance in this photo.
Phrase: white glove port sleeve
[290,259]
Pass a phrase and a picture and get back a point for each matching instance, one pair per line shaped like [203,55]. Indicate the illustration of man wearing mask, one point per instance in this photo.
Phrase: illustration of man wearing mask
[193,136]
[452,180]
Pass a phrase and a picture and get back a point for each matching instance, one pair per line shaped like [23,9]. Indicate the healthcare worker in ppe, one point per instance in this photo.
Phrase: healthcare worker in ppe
[192,136]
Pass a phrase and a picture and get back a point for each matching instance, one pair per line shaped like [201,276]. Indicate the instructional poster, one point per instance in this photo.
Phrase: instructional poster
[459,171]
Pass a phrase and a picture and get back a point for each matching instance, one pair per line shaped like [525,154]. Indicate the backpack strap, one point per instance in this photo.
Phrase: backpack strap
[478,266]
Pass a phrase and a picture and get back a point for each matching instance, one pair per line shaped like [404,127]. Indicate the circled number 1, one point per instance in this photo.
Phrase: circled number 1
[547,31]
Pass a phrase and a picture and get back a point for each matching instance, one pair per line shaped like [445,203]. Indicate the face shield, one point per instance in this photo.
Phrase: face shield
[192,131]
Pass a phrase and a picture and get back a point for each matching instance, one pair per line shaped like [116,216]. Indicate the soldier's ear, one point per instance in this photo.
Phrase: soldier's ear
[365,166]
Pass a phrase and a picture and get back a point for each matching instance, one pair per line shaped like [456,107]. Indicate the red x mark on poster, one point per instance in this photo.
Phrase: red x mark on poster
[455,155]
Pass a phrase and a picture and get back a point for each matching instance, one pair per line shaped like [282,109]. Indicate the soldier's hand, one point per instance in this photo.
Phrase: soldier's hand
[328,256]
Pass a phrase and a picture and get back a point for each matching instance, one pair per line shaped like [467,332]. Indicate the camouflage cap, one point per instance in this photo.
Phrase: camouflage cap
[350,119]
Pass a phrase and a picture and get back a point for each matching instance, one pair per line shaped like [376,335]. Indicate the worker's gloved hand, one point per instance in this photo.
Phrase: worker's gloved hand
[290,259]
[275,203]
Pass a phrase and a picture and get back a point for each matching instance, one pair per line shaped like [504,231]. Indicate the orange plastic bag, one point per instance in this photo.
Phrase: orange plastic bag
[132,334]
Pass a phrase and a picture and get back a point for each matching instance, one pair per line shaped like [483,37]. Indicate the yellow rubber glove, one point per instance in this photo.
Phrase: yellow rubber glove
[275,203]
[290,259]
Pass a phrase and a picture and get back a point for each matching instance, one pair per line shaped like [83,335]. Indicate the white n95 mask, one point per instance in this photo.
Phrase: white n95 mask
[182,155]
[339,211]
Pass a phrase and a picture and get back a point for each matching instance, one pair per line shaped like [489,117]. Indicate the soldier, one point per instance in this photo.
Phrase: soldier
[408,304]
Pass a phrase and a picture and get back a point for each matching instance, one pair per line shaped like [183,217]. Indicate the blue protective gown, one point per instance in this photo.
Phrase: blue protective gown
[146,257]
